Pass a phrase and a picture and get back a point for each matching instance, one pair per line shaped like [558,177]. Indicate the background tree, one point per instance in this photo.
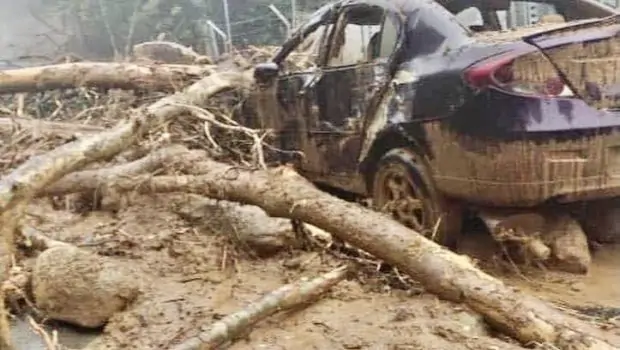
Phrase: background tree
[109,28]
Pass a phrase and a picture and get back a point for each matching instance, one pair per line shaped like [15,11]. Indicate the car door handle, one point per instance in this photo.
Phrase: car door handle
[309,84]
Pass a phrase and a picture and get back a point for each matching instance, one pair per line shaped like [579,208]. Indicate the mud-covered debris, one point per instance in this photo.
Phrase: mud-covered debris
[81,288]
[248,224]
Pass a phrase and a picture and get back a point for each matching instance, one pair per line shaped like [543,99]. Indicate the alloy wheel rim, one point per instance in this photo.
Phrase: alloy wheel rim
[402,200]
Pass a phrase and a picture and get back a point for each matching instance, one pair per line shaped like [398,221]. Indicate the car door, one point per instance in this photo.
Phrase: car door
[356,71]
[285,100]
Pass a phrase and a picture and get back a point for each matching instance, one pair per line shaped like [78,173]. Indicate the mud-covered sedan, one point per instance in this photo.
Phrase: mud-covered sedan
[401,101]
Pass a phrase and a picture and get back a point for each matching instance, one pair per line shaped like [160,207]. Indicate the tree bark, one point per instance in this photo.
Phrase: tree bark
[101,74]
[281,192]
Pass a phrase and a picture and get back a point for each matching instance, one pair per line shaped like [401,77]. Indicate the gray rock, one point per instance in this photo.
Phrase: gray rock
[249,224]
[81,288]
[569,244]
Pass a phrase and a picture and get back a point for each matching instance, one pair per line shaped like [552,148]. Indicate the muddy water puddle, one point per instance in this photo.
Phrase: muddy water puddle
[25,338]
[600,287]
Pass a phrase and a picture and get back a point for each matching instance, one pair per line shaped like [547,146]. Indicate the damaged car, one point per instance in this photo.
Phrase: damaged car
[402,102]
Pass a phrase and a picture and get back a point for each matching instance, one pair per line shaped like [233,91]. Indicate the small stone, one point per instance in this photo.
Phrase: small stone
[472,324]
[293,263]
[400,315]
[215,277]
[577,287]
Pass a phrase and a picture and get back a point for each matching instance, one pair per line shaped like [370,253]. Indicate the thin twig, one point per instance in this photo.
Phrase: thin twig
[51,342]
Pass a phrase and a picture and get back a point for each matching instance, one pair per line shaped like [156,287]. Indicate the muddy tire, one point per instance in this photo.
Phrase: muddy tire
[401,187]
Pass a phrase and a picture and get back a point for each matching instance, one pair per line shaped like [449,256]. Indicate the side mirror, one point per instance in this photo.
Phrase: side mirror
[265,73]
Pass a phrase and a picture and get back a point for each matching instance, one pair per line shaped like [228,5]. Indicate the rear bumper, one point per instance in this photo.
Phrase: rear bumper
[523,173]
[529,194]
[593,189]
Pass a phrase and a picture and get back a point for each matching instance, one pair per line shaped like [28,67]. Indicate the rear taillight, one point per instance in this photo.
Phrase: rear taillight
[528,74]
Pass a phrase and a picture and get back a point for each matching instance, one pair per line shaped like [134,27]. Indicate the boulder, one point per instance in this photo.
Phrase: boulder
[75,286]
[569,244]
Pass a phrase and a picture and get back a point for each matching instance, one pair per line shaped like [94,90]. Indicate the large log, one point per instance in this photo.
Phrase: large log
[101,74]
[38,127]
[282,192]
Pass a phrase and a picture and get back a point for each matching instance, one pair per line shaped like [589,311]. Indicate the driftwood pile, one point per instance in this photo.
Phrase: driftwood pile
[49,149]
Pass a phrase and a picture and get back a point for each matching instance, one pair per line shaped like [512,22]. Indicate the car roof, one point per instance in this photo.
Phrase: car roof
[589,8]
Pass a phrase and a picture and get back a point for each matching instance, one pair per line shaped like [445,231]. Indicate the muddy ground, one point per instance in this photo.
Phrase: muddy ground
[198,273]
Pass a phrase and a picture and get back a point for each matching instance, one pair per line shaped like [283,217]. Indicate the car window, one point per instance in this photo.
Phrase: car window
[307,54]
[359,38]
[389,38]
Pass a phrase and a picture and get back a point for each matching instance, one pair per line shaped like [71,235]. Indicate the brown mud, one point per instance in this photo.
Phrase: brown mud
[198,275]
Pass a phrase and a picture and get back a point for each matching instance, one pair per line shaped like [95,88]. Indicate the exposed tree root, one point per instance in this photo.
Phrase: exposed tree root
[283,298]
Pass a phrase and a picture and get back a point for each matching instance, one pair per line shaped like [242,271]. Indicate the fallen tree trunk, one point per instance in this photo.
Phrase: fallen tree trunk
[283,298]
[176,157]
[41,127]
[282,192]
[101,74]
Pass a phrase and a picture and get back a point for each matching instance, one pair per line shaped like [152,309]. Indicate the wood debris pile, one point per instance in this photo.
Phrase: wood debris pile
[120,128]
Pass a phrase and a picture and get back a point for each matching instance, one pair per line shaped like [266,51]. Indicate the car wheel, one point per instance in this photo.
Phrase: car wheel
[401,187]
